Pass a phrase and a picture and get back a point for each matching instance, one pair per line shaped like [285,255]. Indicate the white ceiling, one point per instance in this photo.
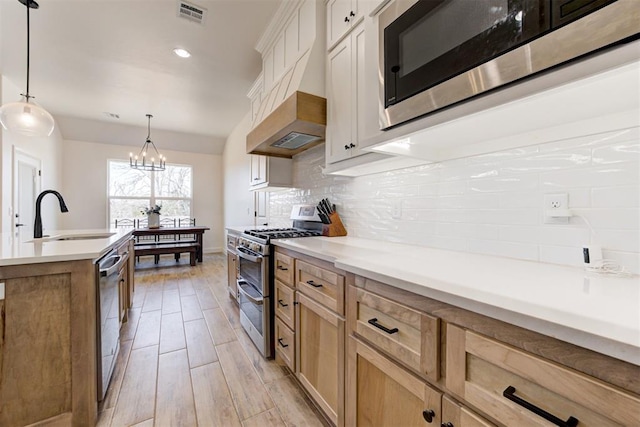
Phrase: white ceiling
[94,56]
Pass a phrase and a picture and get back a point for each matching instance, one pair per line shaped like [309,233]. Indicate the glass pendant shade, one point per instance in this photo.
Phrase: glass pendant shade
[26,118]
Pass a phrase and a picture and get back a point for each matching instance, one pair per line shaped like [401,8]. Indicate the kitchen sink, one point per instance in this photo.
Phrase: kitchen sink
[65,237]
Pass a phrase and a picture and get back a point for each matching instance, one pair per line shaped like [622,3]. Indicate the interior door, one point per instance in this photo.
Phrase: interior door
[26,186]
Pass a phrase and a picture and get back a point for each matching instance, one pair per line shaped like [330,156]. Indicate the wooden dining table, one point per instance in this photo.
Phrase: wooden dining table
[196,230]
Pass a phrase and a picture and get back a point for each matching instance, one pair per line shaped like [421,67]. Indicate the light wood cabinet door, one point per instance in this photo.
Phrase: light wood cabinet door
[285,344]
[409,336]
[232,275]
[284,271]
[456,415]
[284,302]
[320,356]
[381,393]
[324,286]
[122,294]
[515,387]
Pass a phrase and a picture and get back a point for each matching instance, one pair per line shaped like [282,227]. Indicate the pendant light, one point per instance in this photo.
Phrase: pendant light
[26,117]
[146,160]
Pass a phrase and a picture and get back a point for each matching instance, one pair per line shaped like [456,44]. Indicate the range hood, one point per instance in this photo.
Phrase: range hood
[293,114]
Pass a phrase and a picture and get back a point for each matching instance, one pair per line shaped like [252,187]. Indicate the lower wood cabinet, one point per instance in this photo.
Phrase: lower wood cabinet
[517,388]
[285,344]
[380,393]
[320,356]
[232,275]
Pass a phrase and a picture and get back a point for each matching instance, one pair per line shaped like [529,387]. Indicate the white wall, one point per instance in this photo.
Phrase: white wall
[47,149]
[238,201]
[84,183]
[491,204]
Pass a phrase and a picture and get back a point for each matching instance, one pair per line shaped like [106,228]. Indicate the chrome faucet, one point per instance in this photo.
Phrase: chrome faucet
[37,227]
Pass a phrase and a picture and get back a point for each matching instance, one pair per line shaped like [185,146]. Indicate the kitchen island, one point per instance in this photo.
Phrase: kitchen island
[48,306]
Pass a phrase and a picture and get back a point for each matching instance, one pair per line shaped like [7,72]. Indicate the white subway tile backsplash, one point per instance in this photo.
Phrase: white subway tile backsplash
[492,204]
[618,153]
[598,176]
[616,197]
[504,184]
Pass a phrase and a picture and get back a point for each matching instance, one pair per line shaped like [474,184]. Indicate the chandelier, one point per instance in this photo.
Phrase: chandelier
[25,116]
[146,159]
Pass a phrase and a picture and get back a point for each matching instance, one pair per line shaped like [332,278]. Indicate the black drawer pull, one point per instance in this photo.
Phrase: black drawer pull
[428,415]
[281,268]
[375,323]
[282,345]
[509,394]
[446,425]
[312,283]
[282,304]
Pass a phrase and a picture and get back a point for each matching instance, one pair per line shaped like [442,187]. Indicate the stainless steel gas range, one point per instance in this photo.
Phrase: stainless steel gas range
[255,279]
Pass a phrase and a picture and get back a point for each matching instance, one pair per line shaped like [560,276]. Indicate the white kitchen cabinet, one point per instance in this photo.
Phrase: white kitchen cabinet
[270,172]
[342,16]
[346,97]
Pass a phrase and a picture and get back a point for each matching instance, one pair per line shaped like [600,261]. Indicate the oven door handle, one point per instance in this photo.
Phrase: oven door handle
[242,254]
[254,300]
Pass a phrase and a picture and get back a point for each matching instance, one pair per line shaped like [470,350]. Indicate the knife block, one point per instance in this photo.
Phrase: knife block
[335,228]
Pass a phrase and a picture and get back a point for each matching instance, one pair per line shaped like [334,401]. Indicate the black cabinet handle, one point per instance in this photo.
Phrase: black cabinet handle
[346,147]
[282,345]
[375,323]
[312,283]
[346,19]
[281,268]
[351,13]
[282,304]
[352,145]
[509,394]
[446,425]
[428,415]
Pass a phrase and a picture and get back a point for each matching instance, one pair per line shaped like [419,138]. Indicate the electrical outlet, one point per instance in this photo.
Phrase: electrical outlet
[556,208]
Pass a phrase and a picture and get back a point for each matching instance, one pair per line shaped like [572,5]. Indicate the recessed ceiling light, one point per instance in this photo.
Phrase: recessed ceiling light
[182,53]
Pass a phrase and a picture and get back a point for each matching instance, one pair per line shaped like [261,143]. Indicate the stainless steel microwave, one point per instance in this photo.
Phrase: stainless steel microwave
[437,53]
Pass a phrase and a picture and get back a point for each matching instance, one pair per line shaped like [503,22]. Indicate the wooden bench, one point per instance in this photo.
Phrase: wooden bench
[162,248]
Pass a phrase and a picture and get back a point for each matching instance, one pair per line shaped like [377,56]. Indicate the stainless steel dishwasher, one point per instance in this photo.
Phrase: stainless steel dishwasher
[108,311]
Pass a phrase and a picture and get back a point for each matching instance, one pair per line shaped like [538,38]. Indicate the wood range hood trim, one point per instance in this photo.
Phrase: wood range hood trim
[302,113]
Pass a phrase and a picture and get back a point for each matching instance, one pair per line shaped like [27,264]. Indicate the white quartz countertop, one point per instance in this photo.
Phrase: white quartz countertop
[48,249]
[592,311]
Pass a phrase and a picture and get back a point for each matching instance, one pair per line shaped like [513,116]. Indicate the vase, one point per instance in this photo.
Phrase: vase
[153,220]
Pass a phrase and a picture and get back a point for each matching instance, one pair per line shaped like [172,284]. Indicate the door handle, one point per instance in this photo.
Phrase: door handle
[19,225]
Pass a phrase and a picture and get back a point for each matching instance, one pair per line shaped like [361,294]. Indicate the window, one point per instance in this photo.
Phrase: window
[131,190]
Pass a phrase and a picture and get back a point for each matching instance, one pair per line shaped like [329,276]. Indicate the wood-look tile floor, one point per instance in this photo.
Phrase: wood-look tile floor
[185,361]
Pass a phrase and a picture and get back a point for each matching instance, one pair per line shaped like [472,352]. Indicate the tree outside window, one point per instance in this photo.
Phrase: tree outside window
[131,190]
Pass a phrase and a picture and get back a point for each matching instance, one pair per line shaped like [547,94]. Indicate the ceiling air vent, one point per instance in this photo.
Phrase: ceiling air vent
[191,12]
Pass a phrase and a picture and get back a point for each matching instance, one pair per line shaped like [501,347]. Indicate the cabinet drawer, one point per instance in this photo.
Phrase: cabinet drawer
[285,344]
[408,335]
[324,286]
[284,303]
[499,379]
[283,266]
[459,416]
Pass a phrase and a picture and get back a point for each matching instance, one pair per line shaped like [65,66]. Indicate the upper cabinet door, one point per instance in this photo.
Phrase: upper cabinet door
[342,16]
[339,103]
[258,170]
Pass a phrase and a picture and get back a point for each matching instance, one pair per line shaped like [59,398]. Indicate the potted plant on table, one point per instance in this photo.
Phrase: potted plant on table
[153,216]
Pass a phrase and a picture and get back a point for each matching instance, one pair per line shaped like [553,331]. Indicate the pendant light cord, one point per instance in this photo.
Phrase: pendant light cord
[149,127]
[27,96]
